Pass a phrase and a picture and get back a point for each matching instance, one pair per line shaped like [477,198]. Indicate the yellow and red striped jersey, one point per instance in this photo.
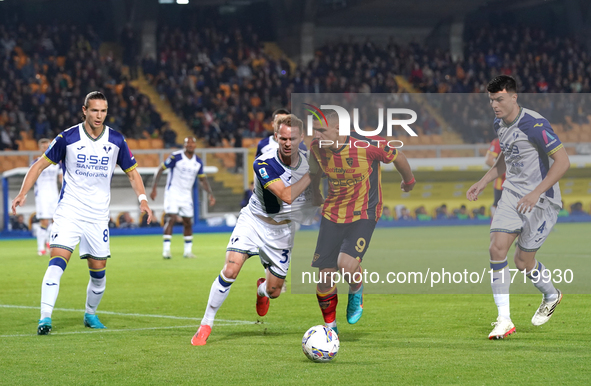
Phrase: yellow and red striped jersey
[354,177]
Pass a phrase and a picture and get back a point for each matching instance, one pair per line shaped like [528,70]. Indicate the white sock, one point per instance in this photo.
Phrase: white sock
[166,244]
[41,237]
[188,244]
[50,287]
[501,280]
[95,290]
[220,289]
[262,290]
[544,285]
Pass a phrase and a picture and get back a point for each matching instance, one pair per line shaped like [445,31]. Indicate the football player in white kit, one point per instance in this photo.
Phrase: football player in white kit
[89,153]
[46,198]
[534,161]
[184,166]
[266,226]
[270,143]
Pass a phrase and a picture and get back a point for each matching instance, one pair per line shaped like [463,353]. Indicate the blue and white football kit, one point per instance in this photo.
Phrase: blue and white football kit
[273,243]
[82,214]
[527,144]
[178,196]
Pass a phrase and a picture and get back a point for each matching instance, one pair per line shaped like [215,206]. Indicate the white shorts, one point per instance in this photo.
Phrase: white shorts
[273,243]
[45,209]
[533,227]
[182,207]
[93,237]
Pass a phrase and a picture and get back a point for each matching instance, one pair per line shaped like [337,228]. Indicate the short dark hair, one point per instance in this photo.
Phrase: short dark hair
[279,111]
[502,82]
[94,95]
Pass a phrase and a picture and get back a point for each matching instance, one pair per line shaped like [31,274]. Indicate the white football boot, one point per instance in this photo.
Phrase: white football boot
[503,328]
[546,310]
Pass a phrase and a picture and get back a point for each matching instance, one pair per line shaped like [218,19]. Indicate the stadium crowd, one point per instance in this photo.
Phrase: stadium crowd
[46,70]
[221,80]
[225,86]
[402,213]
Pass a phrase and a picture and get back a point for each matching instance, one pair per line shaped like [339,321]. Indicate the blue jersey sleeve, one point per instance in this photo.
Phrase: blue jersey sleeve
[170,162]
[200,173]
[125,159]
[265,172]
[56,151]
[303,146]
[542,135]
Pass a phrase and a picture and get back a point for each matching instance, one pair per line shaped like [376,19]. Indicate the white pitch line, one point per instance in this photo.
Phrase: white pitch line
[106,330]
[125,314]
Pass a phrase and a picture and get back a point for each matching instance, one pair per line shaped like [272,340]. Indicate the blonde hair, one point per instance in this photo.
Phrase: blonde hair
[287,120]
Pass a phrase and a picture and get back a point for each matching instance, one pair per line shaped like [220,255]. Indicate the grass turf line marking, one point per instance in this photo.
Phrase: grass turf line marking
[108,330]
[125,314]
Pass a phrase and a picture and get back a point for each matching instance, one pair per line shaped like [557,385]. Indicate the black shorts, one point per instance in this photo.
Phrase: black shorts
[351,238]
[498,194]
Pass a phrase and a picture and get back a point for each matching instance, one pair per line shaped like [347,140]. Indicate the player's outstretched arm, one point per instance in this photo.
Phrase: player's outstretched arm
[316,177]
[34,172]
[289,193]
[138,187]
[157,176]
[490,159]
[498,169]
[205,184]
[317,198]
[555,173]
[403,167]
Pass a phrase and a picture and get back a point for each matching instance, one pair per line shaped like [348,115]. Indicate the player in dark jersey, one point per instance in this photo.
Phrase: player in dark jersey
[351,209]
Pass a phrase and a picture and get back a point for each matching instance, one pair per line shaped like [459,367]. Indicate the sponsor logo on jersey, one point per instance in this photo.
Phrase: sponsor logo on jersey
[52,143]
[339,170]
[80,148]
[263,173]
[538,124]
[548,138]
[263,163]
[346,181]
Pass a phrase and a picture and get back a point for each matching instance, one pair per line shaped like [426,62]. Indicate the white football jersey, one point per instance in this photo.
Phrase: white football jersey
[268,168]
[46,189]
[527,143]
[182,174]
[88,166]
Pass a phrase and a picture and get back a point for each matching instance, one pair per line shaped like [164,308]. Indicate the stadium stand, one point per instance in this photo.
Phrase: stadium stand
[45,72]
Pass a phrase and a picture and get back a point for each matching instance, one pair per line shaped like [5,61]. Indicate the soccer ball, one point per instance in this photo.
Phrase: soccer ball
[320,344]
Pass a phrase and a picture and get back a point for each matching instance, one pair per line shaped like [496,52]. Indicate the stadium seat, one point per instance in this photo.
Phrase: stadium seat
[132,143]
[144,143]
[250,142]
[571,136]
[6,163]
[30,144]
[156,143]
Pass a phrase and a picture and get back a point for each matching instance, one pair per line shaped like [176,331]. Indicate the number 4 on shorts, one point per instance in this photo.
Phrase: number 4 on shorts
[542,227]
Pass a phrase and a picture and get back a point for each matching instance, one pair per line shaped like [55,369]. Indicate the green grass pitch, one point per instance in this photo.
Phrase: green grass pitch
[152,308]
